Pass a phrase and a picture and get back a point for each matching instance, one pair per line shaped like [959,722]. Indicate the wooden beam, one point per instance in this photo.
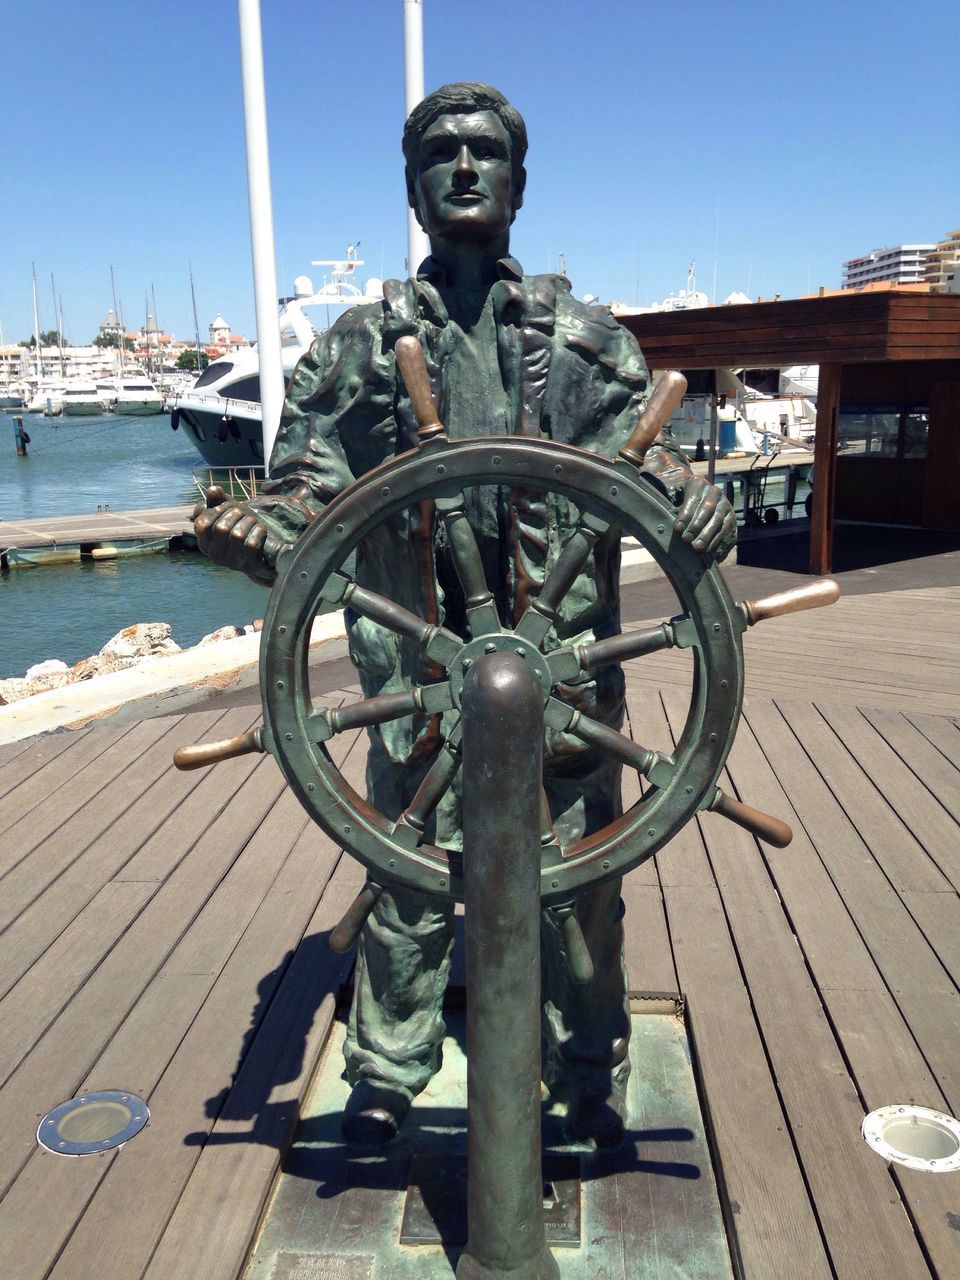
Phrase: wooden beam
[825,469]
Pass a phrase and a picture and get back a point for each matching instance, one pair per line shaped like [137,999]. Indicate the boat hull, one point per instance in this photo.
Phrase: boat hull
[236,442]
[81,409]
[137,408]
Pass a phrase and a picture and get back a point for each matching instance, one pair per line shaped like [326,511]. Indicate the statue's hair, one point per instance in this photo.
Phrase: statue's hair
[462,99]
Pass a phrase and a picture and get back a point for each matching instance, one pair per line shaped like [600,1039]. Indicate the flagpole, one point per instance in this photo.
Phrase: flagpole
[417,244]
[261,223]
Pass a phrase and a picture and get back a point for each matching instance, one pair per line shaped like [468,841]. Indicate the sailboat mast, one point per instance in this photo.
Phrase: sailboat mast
[117,319]
[56,316]
[157,330]
[36,325]
[196,325]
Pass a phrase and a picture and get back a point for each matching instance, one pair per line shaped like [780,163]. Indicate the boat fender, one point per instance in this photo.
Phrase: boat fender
[223,428]
[175,419]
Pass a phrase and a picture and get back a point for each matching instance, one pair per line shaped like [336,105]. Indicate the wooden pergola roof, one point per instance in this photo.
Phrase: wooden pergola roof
[859,328]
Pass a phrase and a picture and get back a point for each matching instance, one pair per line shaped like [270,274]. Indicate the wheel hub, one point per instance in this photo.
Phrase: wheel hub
[499,642]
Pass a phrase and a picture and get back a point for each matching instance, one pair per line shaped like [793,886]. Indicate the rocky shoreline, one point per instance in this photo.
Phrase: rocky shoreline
[132,645]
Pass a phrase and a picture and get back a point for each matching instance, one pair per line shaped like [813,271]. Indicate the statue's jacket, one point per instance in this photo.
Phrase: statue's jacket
[570,373]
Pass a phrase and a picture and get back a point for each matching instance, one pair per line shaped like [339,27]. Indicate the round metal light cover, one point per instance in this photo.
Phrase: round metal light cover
[917,1137]
[91,1123]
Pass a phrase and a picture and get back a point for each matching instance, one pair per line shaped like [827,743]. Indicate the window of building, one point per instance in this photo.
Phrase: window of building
[883,431]
[916,423]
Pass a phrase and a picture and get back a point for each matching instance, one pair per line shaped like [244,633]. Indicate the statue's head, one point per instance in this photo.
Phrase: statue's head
[464,147]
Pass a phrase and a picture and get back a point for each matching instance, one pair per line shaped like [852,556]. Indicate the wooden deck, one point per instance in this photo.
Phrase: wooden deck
[165,933]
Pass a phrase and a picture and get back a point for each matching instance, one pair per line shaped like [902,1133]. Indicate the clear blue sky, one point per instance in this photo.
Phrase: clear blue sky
[767,141]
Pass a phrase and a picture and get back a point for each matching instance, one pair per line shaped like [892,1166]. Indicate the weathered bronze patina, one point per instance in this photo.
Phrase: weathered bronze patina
[495,536]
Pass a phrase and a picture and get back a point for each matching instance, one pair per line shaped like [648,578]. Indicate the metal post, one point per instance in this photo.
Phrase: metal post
[714,433]
[502,707]
[261,224]
[418,246]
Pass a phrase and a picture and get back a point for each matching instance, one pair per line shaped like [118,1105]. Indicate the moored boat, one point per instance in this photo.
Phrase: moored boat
[81,398]
[221,412]
[130,394]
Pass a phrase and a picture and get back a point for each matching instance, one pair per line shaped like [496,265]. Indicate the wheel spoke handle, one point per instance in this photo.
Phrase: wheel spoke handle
[579,659]
[437,643]
[766,828]
[650,764]
[413,367]
[428,698]
[575,949]
[478,599]
[409,827]
[538,619]
[204,753]
[347,931]
[813,596]
[667,394]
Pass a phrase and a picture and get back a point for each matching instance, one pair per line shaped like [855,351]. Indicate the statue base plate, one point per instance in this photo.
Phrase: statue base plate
[649,1209]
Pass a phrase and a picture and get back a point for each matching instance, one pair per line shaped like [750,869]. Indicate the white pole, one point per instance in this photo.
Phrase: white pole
[418,246]
[261,223]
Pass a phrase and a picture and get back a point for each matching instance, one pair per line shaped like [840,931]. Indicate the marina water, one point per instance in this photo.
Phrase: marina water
[72,467]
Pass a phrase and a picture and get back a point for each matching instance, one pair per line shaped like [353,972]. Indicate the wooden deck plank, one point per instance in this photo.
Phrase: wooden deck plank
[56,764]
[876,1041]
[56,902]
[936,827]
[22,759]
[124,1222]
[943,733]
[216,1218]
[851,1189]
[939,775]
[909,966]
[56,1066]
[647,950]
[889,1069]
[234,900]
[34,1002]
[138,1055]
[865,799]
[36,819]
[770,1217]
[65,845]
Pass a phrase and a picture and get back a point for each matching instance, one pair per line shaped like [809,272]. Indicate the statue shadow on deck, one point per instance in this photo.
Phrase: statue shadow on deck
[435,1130]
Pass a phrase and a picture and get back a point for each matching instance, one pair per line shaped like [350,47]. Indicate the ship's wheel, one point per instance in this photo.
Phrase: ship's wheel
[607,494]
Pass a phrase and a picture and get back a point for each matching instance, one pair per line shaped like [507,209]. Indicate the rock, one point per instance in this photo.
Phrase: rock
[141,640]
[13,690]
[228,632]
[86,668]
[39,670]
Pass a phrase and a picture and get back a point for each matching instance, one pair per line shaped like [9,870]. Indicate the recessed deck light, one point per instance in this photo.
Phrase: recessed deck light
[917,1137]
[92,1123]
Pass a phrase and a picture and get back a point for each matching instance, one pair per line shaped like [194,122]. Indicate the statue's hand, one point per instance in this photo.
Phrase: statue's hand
[232,534]
[706,519]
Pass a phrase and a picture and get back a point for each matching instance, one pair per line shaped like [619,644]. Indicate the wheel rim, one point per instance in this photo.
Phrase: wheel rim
[612,491]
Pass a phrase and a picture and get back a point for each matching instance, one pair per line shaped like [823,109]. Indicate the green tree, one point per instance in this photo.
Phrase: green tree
[187,359]
[111,340]
[49,338]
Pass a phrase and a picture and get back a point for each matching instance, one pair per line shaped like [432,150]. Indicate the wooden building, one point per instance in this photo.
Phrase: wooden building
[888,409]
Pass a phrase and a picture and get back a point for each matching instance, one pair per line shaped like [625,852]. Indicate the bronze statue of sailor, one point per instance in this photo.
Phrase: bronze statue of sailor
[507,354]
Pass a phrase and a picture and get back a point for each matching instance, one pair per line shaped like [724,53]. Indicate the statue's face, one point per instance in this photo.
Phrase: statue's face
[464,188]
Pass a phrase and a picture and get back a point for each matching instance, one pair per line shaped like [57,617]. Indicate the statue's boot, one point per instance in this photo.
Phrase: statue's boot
[374,1112]
[595,1117]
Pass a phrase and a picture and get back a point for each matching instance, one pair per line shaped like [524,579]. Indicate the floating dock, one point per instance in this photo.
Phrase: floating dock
[104,535]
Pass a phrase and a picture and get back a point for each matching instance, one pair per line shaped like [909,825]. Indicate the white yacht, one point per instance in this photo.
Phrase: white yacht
[221,412]
[81,398]
[45,397]
[131,393]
